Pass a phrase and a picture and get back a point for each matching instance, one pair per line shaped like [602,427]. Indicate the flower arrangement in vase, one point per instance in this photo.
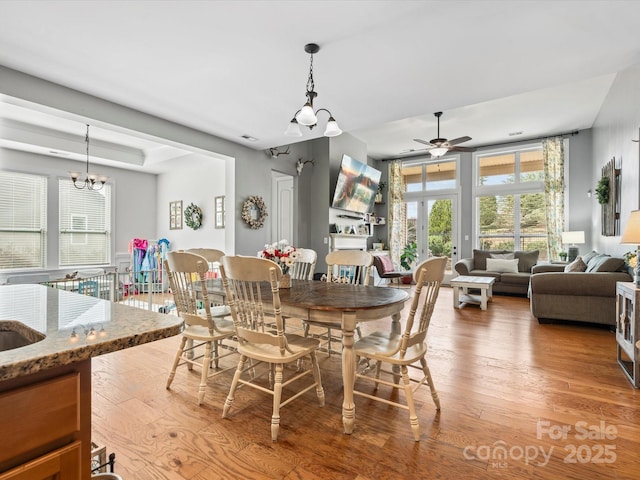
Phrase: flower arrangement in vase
[283,254]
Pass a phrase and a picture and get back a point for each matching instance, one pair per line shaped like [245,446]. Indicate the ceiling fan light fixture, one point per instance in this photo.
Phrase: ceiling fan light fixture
[293,130]
[438,151]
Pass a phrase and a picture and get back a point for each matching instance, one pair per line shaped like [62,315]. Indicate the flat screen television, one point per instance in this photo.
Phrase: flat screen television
[356,187]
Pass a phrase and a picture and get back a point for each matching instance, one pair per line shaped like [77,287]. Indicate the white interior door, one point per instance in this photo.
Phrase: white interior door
[283,205]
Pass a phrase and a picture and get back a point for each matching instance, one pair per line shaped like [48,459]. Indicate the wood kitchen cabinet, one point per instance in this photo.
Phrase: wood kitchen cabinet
[46,430]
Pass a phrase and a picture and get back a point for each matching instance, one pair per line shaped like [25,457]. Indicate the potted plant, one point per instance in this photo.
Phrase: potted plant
[409,255]
[563,255]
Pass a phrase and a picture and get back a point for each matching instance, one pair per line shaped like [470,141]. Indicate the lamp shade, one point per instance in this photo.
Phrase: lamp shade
[293,130]
[573,237]
[332,130]
[306,116]
[631,232]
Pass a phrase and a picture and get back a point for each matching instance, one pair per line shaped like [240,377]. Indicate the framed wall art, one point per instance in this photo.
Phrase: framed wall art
[218,204]
[175,215]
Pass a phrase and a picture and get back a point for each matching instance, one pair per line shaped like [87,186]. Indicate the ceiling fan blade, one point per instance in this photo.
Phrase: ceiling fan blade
[456,141]
[424,142]
[462,149]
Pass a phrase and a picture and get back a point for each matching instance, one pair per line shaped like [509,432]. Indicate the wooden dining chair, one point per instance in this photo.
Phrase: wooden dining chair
[406,349]
[204,324]
[252,309]
[348,267]
[305,264]
[213,257]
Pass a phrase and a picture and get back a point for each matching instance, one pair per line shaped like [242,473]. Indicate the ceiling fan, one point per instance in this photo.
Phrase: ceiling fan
[440,146]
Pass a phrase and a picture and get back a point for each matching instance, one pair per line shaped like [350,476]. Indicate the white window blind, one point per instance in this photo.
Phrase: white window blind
[23,220]
[85,225]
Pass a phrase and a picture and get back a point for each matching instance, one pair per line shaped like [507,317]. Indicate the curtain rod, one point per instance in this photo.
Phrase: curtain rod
[418,155]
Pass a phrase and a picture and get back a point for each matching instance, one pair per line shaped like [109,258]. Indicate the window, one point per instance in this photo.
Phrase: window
[23,220]
[510,202]
[84,225]
[429,175]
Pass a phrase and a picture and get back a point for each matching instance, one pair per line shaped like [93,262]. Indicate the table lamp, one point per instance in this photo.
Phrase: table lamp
[573,238]
[631,234]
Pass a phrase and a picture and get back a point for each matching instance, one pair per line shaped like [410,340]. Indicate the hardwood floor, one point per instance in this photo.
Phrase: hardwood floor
[508,386]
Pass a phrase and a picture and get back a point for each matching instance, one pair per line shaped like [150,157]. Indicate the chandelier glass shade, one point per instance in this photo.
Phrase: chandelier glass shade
[306,115]
[438,151]
[91,181]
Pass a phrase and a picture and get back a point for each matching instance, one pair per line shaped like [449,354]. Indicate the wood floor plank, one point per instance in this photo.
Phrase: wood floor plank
[502,379]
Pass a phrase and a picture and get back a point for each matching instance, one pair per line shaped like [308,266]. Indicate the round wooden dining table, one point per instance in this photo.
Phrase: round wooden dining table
[331,302]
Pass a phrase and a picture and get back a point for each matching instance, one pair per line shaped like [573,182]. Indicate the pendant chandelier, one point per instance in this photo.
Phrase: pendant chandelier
[306,115]
[91,181]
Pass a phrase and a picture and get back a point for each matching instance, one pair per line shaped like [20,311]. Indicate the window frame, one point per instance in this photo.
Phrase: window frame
[516,188]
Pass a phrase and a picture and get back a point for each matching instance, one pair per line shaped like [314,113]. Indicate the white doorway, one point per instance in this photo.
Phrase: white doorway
[432,222]
[282,199]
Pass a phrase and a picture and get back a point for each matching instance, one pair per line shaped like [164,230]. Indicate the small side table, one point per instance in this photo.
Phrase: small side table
[628,330]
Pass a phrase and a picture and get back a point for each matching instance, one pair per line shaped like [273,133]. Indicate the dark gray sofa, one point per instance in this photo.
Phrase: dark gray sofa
[506,282]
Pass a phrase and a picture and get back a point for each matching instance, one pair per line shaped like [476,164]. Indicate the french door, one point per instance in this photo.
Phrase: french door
[432,222]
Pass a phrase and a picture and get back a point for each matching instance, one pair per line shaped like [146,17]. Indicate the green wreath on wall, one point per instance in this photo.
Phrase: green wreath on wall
[193,216]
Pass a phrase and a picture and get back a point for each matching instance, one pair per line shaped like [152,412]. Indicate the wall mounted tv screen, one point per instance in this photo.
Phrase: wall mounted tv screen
[356,187]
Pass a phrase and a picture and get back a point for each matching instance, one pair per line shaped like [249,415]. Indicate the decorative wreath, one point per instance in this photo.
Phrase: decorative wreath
[249,204]
[602,191]
[193,216]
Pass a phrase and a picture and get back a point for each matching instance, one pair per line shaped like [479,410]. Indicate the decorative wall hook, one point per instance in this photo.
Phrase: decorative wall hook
[300,165]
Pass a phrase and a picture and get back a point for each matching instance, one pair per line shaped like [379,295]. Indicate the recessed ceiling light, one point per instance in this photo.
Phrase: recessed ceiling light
[250,138]
[513,134]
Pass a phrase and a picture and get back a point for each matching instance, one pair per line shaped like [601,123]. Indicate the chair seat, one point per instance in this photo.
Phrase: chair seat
[201,333]
[382,345]
[217,311]
[299,345]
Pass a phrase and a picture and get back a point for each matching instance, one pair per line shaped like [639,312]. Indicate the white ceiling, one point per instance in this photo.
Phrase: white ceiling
[233,68]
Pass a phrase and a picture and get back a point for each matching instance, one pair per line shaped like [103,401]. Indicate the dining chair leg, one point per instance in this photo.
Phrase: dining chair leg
[277,398]
[316,377]
[206,361]
[176,362]
[216,354]
[427,373]
[413,417]
[234,384]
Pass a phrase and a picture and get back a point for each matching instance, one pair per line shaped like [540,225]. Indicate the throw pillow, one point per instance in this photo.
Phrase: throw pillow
[594,263]
[609,264]
[576,266]
[502,265]
[586,258]
[387,264]
[527,260]
[480,258]
[504,256]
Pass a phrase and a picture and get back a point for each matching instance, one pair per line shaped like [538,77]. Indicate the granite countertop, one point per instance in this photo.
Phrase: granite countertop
[76,327]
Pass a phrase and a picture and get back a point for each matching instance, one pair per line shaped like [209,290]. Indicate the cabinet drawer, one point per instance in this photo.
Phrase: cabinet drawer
[61,464]
[37,415]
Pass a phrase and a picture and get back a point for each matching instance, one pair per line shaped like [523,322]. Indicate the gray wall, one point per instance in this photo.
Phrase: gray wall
[613,131]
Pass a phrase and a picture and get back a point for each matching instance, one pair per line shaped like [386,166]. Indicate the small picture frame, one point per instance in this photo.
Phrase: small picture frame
[218,207]
[339,228]
[175,215]
[362,229]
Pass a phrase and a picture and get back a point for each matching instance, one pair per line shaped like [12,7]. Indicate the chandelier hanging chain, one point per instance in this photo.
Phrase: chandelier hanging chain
[86,140]
[310,84]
